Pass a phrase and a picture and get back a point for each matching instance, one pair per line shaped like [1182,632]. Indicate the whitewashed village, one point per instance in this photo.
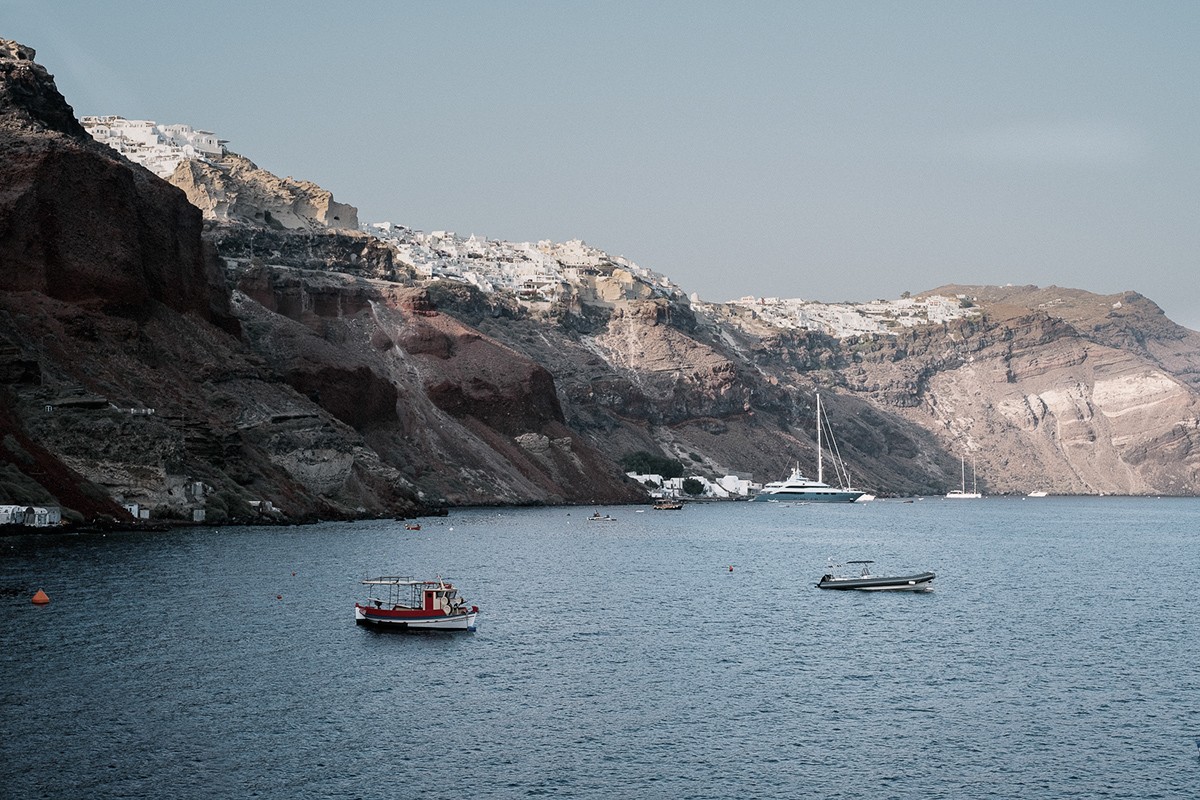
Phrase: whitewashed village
[536,274]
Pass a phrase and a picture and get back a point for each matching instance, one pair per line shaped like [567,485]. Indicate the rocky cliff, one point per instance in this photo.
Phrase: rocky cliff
[1050,388]
[77,225]
[270,353]
[1044,388]
[133,372]
[231,188]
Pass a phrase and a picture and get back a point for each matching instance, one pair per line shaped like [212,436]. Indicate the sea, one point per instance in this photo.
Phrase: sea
[664,654]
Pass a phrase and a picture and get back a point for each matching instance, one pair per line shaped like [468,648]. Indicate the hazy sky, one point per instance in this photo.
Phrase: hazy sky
[832,151]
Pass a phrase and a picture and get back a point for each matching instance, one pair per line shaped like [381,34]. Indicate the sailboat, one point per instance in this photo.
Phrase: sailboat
[802,489]
[963,494]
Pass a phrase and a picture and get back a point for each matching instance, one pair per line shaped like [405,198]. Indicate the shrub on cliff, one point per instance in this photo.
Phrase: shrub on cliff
[644,463]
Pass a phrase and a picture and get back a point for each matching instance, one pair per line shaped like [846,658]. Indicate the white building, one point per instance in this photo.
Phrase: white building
[853,319]
[534,273]
[34,516]
[726,487]
[735,485]
[158,148]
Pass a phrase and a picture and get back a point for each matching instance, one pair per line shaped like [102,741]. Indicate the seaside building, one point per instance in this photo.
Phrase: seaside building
[33,516]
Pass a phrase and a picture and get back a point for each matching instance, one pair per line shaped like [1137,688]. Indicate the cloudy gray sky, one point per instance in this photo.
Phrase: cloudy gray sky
[832,151]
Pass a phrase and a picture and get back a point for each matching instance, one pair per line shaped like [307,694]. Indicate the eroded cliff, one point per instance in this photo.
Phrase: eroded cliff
[272,353]
[135,374]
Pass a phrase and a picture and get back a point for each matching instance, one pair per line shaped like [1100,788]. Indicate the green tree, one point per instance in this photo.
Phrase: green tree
[644,463]
[692,486]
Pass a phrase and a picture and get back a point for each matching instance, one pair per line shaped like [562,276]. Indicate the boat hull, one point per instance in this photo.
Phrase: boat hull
[921,582]
[821,496]
[406,619]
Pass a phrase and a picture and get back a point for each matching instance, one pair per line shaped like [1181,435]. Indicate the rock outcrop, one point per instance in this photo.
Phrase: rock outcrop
[76,224]
[232,188]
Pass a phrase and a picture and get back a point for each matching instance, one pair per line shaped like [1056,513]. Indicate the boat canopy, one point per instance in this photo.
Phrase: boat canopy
[390,580]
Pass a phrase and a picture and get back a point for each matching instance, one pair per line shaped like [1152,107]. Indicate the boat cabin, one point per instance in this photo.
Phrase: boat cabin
[406,593]
[410,603]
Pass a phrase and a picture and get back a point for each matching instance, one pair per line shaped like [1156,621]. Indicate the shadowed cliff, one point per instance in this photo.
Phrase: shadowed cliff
[128,377]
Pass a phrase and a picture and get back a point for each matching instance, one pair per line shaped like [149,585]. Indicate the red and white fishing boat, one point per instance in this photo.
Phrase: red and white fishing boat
[414,605]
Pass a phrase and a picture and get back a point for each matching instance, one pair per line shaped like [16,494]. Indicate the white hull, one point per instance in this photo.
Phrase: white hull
[957,495]
[920,587]
[826,495]
[455,622]
[921,582]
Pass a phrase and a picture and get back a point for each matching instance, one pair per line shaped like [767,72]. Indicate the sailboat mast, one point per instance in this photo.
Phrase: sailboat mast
[974,484]
[820,466]
[964,474]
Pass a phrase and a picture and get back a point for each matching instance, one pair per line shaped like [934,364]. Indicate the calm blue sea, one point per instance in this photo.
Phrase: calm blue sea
[1057,657]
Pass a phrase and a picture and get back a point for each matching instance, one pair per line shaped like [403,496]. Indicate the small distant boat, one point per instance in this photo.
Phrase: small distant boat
[1039,493]
[798,487]
[667,504]
[963,494]
[414,605]
[598,517]
[412,526]
[866,581]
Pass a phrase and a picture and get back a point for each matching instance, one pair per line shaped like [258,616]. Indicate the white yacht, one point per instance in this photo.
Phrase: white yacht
[963,494]
[798,488]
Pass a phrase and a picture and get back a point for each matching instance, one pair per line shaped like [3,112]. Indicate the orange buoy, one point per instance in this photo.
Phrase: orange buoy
[40,598]
[731,568]
[278,597]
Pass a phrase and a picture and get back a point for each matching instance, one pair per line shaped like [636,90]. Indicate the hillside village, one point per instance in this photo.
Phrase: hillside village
[158,148]
[538,273]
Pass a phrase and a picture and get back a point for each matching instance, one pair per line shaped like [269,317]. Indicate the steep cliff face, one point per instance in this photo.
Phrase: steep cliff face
[1049,389]
[465,418]
[321,387]
[1039,393]
[174,414]
[312,367]
[640,375]
[77,224]
[247,246]
[28,97]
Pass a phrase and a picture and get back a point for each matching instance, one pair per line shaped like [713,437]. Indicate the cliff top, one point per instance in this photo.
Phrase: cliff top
[28,96]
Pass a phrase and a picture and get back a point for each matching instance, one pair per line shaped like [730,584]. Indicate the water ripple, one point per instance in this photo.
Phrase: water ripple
[623,662]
